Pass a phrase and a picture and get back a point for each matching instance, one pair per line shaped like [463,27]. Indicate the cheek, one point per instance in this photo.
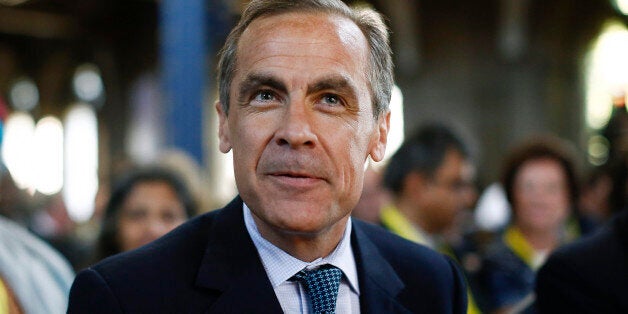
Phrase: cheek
[352,161]
[520,200]
[174,223]
[249,139]
[562,205]
[129,231]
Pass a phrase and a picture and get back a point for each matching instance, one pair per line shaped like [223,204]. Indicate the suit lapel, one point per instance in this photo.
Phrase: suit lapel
[379,283]
[232,267]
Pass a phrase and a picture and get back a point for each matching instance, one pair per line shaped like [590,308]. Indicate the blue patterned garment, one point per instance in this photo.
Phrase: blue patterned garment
[321,285]
[505,278]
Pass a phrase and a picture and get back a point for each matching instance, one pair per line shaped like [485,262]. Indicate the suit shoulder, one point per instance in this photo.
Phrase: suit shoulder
[585,277]
[189,238]
[589,250]
[174,256]
[143,280]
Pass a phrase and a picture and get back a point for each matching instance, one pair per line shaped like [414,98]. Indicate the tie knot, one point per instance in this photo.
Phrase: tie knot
[321,285]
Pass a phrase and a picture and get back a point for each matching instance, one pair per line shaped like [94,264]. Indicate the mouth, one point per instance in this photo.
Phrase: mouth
[294,175]
[296,179]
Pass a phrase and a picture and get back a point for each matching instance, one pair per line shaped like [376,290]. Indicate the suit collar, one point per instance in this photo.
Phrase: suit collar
[379,282]
[232,267]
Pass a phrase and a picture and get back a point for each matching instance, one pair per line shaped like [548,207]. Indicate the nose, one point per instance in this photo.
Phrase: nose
[295,128]
[156,229]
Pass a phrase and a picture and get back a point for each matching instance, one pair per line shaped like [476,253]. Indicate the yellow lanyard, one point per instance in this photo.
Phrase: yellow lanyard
[394,221]
[515,240]
[4,298]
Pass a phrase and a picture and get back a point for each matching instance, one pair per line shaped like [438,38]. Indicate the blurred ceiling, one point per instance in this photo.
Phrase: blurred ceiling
[47,39]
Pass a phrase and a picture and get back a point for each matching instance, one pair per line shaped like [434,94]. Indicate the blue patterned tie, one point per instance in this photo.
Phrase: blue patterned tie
[321,285]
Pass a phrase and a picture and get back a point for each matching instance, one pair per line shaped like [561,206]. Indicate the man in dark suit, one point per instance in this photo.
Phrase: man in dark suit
[304,92]
[589,276]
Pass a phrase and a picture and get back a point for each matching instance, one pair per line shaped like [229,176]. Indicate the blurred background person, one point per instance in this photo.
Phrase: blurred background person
[539,179]
[594,201]
[373,197]
[589,276]
[191,173]
[431,179]
[427,177]
[146,204]
[34,278]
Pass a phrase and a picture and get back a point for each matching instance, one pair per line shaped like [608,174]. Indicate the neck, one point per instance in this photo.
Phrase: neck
[304,246]
[540,240]
[409,209]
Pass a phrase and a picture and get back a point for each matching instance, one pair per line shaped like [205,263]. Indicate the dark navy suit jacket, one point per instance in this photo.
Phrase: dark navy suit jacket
[588,276]
[210,265]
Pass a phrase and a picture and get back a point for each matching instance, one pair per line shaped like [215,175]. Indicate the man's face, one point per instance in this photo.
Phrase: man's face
[446,193]
[301,122]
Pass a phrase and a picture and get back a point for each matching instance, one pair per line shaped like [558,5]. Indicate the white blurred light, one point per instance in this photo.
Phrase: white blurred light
[24,94]
[607,73]
[17,148]
[493,210]
[12,2]
[622,5]
[598,147]
[87,83]
[145,138]
[48,149]
[396,132]
[81,162]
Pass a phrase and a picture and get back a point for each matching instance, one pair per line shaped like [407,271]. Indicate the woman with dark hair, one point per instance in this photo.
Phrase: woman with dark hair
[540,183]
[143,206]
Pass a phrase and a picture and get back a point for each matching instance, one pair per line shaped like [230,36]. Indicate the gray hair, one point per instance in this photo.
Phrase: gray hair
[371,23]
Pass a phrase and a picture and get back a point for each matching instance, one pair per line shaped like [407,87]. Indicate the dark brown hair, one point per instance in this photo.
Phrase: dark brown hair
[107,243]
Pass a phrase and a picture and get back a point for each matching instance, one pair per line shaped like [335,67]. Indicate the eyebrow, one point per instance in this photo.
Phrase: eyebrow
[336,83]
[253,81]
[333,82]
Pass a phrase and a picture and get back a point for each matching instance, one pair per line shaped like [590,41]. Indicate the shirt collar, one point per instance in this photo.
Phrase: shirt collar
[281,266]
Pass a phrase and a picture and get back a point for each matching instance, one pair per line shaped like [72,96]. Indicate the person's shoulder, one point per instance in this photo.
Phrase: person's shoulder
[143,278]
[587,276]
[499,257]
[589,250]
[30,266]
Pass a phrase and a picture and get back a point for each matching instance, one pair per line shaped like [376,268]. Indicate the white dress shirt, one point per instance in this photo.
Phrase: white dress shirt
[281,266]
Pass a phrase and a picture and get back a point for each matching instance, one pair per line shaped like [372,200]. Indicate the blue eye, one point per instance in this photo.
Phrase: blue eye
[264,95]
[331,99]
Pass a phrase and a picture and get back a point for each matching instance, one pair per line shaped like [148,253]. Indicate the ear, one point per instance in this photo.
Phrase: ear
[223,129]
[380,137]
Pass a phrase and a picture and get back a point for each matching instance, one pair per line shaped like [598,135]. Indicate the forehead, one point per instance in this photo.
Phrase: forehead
[309,36]
[453,164]
[541,168]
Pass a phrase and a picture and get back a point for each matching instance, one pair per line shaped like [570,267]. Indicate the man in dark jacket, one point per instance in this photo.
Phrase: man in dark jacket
[304,92]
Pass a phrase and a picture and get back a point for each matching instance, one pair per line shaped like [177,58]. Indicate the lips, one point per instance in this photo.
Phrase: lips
[292,174]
